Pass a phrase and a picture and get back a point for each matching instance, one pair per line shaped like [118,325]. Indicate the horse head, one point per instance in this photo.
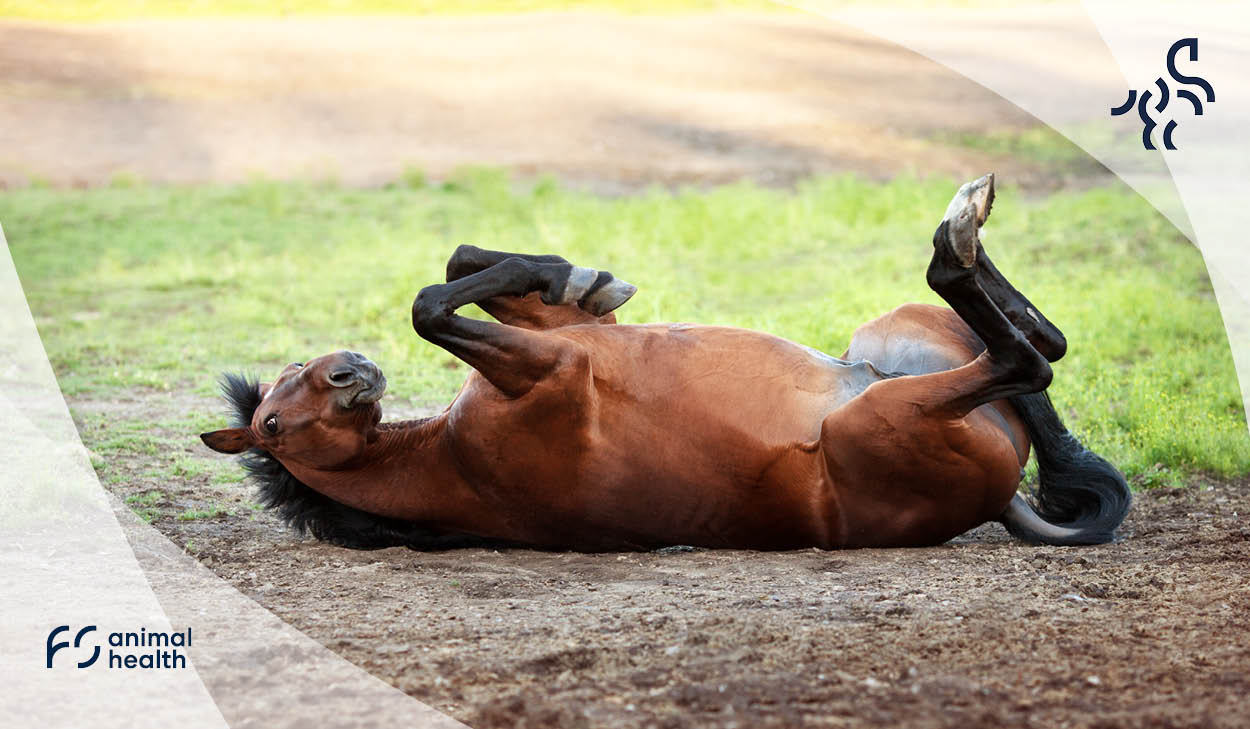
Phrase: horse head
[320,414]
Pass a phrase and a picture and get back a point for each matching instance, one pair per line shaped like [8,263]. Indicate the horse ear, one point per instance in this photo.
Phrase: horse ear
[230,440]
[263,389]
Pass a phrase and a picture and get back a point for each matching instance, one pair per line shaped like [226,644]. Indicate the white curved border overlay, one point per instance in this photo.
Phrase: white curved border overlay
[71,554]
[1068,63]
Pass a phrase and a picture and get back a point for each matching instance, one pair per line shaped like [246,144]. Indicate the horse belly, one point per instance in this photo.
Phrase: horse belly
[712,438]
[699,436]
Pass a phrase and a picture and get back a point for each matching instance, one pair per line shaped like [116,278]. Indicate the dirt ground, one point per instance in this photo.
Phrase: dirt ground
[606,102]
[1153,631]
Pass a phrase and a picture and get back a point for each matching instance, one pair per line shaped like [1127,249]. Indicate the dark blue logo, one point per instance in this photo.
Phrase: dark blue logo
[54,647]
[1144,106]
[135,649]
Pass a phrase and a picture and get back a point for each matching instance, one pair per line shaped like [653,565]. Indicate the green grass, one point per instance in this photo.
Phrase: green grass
[1040,144]
[144,505]
[196,514]
[164,287]
[147,498]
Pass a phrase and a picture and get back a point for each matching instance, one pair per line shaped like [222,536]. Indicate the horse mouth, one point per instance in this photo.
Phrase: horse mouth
[369,392]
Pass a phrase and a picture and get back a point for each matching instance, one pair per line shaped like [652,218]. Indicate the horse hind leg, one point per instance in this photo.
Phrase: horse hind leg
[1010,365]
[1081,498]
[1045,337]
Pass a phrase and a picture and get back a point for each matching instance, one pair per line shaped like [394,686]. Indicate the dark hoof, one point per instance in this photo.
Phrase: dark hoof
[979,192]
[965,215]
[609,297]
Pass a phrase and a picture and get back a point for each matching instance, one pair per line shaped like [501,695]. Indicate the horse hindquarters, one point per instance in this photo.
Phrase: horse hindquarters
[913,459]
[904,475]
[1082,492]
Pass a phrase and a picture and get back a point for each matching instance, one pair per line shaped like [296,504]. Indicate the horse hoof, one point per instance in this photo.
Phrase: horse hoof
[609,297]
[961,236]
[979,193]
[580,281]
[965,215]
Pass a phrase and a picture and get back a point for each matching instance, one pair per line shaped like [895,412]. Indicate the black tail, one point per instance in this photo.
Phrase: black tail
[1081,498]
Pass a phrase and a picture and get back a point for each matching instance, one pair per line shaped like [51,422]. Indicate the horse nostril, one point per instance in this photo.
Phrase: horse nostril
[342,378]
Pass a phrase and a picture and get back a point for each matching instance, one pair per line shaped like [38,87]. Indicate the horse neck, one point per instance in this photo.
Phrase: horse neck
[409,473]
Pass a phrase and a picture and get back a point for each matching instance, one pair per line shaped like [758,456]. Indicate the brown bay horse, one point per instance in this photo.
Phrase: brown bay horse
[576,432]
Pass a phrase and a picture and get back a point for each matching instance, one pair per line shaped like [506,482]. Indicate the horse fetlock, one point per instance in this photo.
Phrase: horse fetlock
[945,273]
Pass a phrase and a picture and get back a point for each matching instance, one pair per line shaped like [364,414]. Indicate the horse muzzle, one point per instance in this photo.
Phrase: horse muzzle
[360,381]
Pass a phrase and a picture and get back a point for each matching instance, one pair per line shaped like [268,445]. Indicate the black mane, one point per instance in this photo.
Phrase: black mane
[310,512]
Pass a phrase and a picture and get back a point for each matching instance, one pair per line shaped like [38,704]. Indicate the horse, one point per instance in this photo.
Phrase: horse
[575,432]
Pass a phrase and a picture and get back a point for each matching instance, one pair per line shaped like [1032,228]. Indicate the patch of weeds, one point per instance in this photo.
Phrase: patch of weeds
[189,467]
[147,514]
[195,514]
[1159,476]
[228,477]
[147,498]
[192,424]
[131,444]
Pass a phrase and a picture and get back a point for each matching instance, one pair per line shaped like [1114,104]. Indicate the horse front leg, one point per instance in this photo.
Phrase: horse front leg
[511,358]
[592,296]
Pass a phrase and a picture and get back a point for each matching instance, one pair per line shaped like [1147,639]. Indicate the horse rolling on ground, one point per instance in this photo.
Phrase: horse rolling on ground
[574,432]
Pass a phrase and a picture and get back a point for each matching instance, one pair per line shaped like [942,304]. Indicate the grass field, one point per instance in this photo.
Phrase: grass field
[139,287]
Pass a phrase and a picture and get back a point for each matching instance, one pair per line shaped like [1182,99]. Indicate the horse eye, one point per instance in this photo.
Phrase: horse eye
[271,424]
